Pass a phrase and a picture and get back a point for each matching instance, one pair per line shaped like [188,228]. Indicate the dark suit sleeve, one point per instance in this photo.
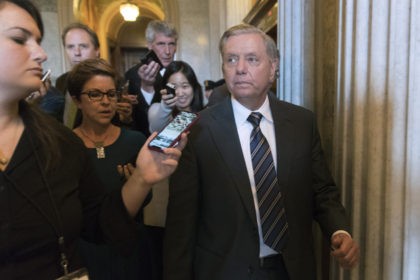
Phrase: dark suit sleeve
[133,80]
[181,221]
[219,93]
[61,83]
[329,212]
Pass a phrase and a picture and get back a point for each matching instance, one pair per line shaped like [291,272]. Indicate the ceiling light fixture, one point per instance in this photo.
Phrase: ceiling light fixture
[129,11]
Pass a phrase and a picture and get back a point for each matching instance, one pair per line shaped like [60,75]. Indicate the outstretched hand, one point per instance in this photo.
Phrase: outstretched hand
[345,250]
[155,166]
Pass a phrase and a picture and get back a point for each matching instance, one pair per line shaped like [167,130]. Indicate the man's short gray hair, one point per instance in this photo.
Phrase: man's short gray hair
[244,28]
[157,26]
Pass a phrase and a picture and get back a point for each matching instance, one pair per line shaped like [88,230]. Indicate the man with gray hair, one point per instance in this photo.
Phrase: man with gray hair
[251,181]
[144,80]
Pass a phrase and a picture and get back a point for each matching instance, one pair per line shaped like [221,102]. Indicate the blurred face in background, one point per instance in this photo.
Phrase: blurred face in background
[94,110]
[164,47]
[21,55]
[79,46]
[184,91]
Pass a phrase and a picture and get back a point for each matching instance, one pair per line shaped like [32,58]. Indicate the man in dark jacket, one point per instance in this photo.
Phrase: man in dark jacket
[144,80]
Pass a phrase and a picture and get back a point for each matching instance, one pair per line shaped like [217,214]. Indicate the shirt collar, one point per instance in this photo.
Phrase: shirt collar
[241,113]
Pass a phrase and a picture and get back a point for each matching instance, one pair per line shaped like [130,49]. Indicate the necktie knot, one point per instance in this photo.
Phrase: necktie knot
[255,118]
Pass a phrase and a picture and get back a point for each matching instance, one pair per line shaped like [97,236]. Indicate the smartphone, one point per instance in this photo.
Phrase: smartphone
[151,56]
[46,75]
[170,134]
[170,89]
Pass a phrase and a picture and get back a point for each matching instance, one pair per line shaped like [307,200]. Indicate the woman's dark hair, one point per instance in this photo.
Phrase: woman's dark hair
[45,131]
[41,126]
[186,69]
[86,70]
[31,9]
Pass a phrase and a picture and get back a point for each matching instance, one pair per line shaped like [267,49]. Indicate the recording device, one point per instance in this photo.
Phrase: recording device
[171,133]
[46,75]
[151,56]
[170,89]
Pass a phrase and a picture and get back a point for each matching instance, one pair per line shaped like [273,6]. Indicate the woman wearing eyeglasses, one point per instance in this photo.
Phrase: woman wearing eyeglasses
[93,85]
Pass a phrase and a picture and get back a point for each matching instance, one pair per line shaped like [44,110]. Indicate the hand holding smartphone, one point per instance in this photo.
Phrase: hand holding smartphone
[43,89]
[170,89]
[151,56]
[170,134]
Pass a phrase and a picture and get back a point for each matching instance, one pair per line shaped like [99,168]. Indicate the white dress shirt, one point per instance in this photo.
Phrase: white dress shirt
[148,96]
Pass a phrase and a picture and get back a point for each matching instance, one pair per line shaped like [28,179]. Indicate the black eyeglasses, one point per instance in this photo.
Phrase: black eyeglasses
[98,95]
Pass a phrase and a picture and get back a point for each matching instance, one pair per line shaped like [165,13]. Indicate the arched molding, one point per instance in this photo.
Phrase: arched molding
[111,22]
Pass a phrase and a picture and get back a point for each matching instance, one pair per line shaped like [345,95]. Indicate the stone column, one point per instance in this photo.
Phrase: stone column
[356,63]
[236,10]
[377,134]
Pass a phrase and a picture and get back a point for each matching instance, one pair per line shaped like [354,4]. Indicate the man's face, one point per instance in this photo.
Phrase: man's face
[164,47]
[247,69]
[79,46]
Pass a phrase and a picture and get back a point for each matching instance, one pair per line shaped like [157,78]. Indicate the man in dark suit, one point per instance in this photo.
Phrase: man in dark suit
[144,80]
[218,225]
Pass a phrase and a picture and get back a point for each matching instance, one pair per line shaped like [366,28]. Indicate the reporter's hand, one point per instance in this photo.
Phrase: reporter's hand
[126,170]
[147,74]
[36,96]
[168,100]
[125,110]
[132,99]
[345,250]
[155,166]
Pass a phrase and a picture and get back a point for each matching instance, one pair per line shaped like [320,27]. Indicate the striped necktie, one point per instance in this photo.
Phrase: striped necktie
[270,202]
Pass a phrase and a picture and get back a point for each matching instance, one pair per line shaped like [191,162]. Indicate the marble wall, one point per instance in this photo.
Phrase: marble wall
[365,61]
[52,37]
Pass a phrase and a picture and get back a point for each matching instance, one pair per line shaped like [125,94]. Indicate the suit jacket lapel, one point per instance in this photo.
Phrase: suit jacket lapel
[223,128]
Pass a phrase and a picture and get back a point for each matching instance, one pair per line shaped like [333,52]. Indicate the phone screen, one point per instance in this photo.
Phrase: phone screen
[170,135]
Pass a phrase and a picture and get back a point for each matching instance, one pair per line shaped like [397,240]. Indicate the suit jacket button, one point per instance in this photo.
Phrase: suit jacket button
[250,270]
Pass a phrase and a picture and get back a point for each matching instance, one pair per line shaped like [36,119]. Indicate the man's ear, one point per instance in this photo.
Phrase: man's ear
[274,69]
